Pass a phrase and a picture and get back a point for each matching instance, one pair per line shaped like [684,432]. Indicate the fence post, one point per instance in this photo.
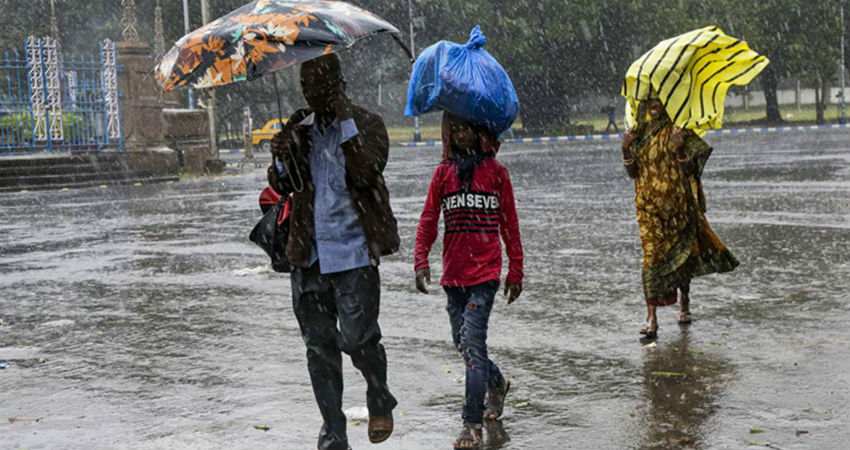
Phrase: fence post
[31,140]
[105,97]
[35,85]
[109,75]
[45,113]
[53,74]
[114,76]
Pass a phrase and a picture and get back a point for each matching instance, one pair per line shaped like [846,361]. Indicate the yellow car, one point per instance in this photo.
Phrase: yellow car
[262,138]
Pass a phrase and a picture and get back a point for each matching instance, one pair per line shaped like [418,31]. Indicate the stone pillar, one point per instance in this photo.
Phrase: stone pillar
[171,99]
[141,109]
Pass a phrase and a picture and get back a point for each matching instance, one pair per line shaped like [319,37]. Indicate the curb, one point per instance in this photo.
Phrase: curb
[608,137]
[23,189]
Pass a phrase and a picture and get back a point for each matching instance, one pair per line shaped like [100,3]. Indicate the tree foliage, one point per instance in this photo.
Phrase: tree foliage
[557,52]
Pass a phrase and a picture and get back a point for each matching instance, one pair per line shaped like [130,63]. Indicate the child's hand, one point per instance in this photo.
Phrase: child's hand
[513,291]
[423,278]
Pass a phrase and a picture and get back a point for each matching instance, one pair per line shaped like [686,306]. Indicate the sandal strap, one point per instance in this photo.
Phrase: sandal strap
[469,434]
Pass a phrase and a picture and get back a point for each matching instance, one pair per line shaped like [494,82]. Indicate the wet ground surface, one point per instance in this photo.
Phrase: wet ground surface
[142,318]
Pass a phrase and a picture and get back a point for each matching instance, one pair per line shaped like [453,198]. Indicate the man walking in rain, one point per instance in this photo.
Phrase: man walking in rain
[330,157]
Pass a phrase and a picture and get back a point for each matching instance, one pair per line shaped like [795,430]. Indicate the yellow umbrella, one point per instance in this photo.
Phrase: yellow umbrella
[691,73]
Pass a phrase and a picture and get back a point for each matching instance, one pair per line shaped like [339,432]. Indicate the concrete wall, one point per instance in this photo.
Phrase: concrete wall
[187,131]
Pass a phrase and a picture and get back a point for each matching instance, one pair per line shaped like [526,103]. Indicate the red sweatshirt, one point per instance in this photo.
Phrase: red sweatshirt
[474,219]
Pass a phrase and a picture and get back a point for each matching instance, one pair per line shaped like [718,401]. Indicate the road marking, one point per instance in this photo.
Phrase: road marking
[605,137]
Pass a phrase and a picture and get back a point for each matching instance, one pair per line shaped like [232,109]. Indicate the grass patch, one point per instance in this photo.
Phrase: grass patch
[598,122]
[736,117]
[668,374]
[404,133]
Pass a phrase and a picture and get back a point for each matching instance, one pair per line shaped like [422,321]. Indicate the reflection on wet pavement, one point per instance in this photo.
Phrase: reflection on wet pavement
[142,318]
[683,387]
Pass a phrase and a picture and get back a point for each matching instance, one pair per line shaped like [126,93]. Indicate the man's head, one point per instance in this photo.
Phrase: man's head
[321,82]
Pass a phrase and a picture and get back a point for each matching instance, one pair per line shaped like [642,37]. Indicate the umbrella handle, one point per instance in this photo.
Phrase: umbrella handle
[297,188]
[277,97]
[300,187]
[404,47]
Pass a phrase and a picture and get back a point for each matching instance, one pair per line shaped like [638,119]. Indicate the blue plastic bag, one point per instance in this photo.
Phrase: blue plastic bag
[466,81]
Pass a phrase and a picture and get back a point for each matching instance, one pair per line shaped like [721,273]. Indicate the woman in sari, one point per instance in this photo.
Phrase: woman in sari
[666,163]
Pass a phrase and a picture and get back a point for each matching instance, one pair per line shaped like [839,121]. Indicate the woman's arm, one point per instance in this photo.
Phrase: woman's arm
[629,158]
[691,151]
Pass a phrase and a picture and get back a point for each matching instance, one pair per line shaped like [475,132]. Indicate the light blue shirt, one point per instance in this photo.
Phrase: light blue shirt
[338,240]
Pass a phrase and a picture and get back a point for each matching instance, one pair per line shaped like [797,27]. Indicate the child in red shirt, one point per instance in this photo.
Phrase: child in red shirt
[473,190]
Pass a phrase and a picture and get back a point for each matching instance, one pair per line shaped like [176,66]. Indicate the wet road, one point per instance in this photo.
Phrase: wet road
[141,318]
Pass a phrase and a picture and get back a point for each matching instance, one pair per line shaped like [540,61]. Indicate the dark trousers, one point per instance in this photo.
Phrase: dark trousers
[469,313]
[351,298]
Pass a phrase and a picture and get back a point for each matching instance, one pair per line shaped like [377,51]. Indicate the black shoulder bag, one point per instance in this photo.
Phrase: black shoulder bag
[272,238]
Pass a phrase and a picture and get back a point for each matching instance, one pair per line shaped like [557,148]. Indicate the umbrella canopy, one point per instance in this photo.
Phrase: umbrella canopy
[264,36]
[691,74]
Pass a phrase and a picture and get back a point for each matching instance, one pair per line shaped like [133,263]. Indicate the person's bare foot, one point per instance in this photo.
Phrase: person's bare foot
[645,325]
[470,436]
[651,329]
[685,309]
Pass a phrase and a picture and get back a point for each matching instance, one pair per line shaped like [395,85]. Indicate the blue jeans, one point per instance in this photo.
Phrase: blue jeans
[469,311]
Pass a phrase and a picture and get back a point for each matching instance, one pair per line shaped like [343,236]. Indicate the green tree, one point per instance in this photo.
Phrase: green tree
[557,53]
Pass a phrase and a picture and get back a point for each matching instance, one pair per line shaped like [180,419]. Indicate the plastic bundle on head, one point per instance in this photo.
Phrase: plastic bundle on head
[466,81]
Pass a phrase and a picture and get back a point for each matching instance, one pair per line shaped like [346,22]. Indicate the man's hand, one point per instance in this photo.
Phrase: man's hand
[423,278]
[280,147]
[341,105]
[512,291]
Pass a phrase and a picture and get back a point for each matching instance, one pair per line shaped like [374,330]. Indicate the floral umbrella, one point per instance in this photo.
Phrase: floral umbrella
[265,36]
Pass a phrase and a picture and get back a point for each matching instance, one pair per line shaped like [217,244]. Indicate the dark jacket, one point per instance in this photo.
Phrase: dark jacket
[365,158]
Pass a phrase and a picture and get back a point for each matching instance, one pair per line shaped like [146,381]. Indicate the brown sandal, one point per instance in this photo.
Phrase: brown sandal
[470,434]
[380,428]
[684,318]
[496,402]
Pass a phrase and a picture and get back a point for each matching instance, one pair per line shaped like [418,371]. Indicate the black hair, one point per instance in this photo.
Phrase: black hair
[328,65]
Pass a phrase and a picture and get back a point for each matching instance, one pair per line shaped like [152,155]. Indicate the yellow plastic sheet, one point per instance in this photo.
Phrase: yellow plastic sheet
[691,74]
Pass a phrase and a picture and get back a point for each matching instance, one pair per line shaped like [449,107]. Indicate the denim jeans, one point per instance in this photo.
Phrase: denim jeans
[469,312]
